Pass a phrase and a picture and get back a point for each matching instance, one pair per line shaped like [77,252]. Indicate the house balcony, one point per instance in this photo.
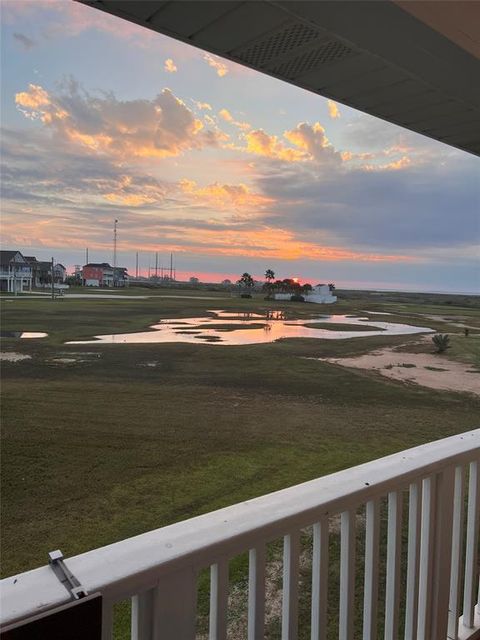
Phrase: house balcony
[402,531]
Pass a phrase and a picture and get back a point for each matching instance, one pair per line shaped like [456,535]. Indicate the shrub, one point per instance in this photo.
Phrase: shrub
[245,295]
[441,341]
[297,298]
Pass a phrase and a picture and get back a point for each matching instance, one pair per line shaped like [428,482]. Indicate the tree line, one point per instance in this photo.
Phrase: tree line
[272,286]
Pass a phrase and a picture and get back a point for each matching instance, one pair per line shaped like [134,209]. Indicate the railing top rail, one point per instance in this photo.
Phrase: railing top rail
[133,565]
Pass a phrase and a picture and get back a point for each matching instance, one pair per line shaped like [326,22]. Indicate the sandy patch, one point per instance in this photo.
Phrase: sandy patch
[12,356]
[64,360]
[428,370]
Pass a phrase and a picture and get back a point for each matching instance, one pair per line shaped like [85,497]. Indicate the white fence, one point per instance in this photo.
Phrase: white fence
[423,571]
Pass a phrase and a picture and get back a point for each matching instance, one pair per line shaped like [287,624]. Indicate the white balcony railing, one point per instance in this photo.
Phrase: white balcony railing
[428,566]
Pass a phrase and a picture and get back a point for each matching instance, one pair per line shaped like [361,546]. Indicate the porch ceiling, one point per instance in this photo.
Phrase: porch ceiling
[415,64]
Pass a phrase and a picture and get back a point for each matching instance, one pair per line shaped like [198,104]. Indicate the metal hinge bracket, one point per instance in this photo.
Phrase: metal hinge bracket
[65,576]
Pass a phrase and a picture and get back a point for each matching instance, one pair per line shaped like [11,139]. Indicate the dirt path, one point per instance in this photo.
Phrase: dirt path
[428,370]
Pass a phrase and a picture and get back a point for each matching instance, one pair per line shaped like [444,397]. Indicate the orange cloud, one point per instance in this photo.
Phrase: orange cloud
[170,66]
[227,116]
[313,141]
[132,192]
[266,242]
[401,163]
[224,196]
[160,128]
[35,98]
[214,62]
[262,144]
[333,110]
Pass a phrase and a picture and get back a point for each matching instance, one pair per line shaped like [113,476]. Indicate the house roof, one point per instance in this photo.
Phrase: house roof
[6,257]
[98,265]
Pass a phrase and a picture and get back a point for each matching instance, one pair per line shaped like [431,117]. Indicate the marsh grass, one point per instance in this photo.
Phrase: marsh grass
[109,447]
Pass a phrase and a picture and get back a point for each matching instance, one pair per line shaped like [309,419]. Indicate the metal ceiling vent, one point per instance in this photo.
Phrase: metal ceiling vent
[328,52]
[278,44]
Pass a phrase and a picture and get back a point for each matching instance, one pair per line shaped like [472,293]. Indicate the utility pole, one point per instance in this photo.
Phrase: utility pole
[115,251]
[171,266]
[86,256]
[156,266]
[136,265]
[53,284]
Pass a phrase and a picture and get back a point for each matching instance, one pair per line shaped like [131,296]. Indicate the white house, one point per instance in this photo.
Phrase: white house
[320,294]
[15,272]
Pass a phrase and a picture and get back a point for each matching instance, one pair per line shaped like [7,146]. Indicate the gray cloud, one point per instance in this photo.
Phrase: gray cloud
[26,42]
[430,205]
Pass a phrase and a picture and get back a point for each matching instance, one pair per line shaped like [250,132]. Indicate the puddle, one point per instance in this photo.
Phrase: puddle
[228,328]
[12,356]
[23,334]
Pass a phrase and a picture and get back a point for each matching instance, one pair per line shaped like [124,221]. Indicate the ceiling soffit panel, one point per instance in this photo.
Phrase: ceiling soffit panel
[245,22]
[187,18]
[387,31]
[369,55]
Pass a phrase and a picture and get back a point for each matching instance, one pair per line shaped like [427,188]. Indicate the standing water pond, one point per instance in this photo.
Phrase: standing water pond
[229,328]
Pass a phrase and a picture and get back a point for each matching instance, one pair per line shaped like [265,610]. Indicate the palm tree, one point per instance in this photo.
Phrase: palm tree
[269,275]
[441,341]
[246,281]
[269,286]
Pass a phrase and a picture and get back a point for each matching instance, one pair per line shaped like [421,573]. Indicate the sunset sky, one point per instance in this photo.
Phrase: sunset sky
[231,170]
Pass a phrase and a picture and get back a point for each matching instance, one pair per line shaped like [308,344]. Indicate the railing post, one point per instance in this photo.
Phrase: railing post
[442,554]
[142,615]
[457,547]
[107,620]
[435,555]
[470,586]
[175,606]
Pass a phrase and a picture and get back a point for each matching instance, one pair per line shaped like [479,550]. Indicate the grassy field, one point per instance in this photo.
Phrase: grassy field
[132,437]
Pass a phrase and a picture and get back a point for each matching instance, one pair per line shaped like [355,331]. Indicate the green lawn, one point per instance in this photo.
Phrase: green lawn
[135,437]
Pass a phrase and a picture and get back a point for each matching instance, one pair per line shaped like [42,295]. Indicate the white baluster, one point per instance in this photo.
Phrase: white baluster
[370,598]
[347,575]
[394,542]
[291,547]
[256,593]
[426,551]
[218,600]
[320,580]
[413,555]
